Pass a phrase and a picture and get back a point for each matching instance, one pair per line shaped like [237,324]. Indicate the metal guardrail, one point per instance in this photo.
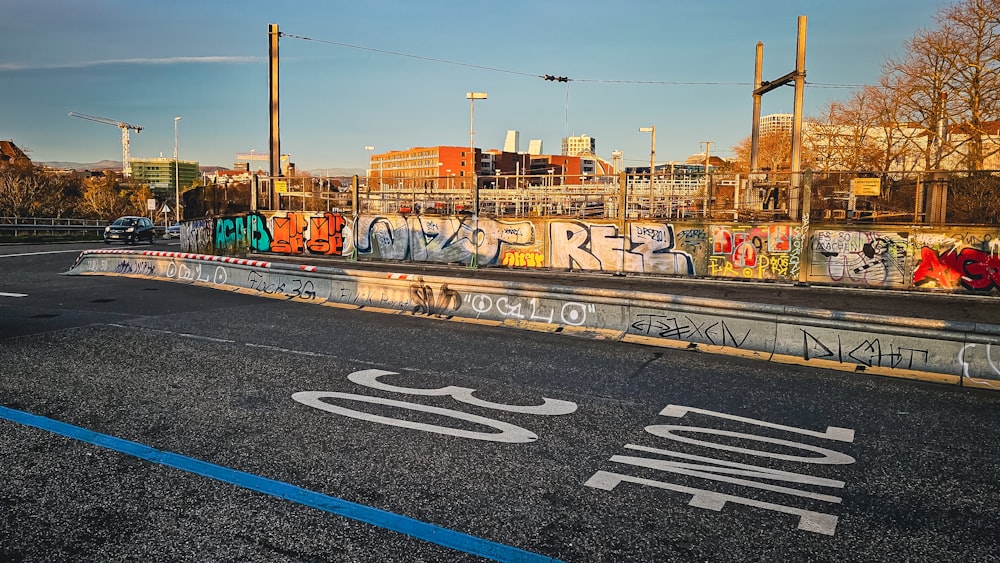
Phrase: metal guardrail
[49,225]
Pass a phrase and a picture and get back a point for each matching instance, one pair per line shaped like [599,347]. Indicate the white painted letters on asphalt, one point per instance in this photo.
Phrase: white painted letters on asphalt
[730,472]
[369,378]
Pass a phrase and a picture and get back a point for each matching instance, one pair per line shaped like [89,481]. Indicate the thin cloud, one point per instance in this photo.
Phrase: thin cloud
[160,61]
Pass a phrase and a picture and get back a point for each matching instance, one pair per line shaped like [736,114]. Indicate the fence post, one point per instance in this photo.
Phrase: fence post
[804,247]
[356,208]
[623,187]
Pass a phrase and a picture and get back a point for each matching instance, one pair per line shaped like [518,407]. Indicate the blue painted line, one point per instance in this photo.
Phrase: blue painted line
[383,519]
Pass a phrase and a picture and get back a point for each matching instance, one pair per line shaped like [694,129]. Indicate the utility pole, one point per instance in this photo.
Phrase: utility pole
[708,177]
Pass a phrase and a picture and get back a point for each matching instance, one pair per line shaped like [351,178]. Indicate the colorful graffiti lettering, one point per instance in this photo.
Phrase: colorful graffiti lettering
[517,258]
[234,233]
[970,267]
[442,239]
[751,252]
[288,234]
[326,234]
[648,248]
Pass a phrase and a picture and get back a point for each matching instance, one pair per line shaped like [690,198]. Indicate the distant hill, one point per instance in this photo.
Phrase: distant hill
[117,166]
[102,165]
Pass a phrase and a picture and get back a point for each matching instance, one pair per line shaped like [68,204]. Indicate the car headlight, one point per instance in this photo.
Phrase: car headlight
[130,230]
[107,229]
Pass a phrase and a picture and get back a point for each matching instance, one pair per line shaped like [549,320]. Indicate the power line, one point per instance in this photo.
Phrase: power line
[549,77]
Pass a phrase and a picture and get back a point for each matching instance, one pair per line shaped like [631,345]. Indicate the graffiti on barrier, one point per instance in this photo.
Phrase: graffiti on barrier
[993,373]
[966,260]
[375,296]
[294,288]
[241,232]
[139,268]
[649,248]
[871,258]
[428,302]
[570,313]
[683,327]
[523,259]
[754,252]
[326,234]
[443,239]
[202,273]
[870,352]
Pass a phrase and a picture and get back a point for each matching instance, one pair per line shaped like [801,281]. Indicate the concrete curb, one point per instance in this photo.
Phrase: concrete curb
[951,352]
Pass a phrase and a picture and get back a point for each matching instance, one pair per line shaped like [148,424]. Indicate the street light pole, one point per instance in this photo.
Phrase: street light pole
[472,97]
[177,175]
[652,151]
[368,173]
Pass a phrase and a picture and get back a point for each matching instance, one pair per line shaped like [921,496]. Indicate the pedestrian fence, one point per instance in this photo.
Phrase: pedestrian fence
[839,197]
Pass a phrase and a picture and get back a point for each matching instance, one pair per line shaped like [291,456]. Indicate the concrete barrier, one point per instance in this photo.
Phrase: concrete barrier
[951,352]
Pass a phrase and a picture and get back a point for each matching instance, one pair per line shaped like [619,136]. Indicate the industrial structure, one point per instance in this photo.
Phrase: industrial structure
[125,127]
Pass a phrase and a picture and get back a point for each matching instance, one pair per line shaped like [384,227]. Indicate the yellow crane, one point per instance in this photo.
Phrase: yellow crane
[125,127]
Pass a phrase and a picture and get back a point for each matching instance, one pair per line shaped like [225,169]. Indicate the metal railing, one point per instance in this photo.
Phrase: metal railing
[18,226]
[894,197]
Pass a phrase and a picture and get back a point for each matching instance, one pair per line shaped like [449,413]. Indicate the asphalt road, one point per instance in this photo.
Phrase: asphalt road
[147,420]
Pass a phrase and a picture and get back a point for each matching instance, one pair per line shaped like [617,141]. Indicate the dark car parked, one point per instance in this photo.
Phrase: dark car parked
[129,230]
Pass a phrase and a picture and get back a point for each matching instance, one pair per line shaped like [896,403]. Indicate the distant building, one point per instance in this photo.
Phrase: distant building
[699,158]
[775,123]
[443,168]
[158,173]
[535,146]
[512,142]
[581,145]
[437,167]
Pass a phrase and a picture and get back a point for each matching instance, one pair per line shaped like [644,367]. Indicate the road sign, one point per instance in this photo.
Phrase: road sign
[866,186]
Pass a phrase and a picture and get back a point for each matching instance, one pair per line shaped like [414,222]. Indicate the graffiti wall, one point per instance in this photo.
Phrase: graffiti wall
[860,257]
[889,257]
[957,259]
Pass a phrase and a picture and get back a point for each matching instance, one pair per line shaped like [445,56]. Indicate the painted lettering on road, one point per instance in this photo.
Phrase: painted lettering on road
[734,473]
[507,432]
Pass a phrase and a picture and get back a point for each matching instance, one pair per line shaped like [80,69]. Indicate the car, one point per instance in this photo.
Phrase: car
[129,230]
[173,231]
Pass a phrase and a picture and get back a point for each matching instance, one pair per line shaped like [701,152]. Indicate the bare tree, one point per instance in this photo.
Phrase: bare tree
[972,28]
[950,76]
[25,190]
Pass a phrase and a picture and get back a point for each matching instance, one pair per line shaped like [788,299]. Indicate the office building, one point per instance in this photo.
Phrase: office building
[158,173]
[580,145]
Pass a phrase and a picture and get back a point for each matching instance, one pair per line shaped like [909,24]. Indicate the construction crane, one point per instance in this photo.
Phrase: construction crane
[126,167]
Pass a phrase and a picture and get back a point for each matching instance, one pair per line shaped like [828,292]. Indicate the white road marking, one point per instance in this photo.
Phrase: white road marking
[5,294]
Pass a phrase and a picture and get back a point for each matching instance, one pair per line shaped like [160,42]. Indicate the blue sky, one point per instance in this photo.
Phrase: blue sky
[144,62]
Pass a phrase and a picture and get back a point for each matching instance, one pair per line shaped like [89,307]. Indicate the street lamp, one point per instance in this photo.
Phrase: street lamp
[472,97]
[177,176]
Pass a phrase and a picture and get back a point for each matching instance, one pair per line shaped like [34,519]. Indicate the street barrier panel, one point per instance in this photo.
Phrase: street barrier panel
[950,352]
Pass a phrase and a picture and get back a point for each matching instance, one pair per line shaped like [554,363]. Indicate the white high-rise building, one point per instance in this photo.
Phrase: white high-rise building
[575,146]
[511,142]
[535,146]
[775,123]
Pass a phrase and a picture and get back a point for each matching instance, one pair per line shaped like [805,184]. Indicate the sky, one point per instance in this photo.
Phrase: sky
[393,74]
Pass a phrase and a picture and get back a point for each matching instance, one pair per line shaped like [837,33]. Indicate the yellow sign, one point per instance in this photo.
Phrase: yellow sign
[280,186]
[866,186]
